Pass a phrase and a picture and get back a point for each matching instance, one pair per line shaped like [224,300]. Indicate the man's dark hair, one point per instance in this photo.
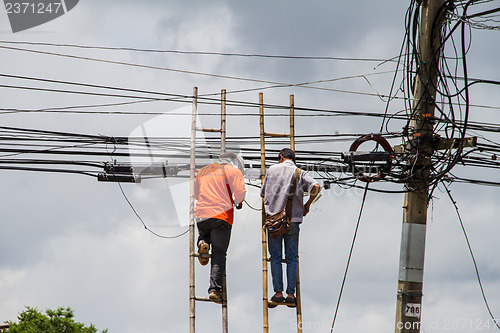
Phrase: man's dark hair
[287,153]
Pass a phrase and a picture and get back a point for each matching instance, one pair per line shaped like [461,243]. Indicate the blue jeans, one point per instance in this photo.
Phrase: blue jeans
[275,246]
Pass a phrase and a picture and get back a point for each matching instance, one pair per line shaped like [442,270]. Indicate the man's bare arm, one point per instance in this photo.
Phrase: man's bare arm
[312,195]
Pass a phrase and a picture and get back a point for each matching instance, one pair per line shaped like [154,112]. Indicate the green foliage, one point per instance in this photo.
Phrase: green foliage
[53,321]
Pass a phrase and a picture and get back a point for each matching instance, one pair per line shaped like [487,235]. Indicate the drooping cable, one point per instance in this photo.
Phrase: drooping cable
[142,221]
[472,256]
[250,206]
[349,257]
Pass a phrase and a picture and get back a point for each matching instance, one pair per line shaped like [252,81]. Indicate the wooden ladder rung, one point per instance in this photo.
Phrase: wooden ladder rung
[278,135]
[286,304]
[283,261]
[206,299]
[204,255]
[213,130]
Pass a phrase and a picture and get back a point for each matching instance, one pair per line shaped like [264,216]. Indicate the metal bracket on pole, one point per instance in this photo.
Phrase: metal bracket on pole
[439,144]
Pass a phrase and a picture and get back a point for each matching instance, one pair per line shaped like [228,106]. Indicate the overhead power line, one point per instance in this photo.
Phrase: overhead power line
[274,83]
[349,257]
[142,221]
[67,149]
[472,256]
[245,55]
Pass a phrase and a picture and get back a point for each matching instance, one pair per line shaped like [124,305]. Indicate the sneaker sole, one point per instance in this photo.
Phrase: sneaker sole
[203,249]
[216,299]
[291,303]
[272,304]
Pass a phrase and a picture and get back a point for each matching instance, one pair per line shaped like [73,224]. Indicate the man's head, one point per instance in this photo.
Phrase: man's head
[286,154]
[234,160]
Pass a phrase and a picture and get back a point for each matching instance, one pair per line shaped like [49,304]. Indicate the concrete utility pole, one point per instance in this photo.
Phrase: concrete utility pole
[410,280]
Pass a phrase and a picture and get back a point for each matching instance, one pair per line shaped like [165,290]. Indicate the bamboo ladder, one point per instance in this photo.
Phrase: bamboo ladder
[265,259]
[192,239]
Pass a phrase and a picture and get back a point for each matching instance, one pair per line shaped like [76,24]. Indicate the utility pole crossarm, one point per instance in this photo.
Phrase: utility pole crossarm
[440,144]
[443,144]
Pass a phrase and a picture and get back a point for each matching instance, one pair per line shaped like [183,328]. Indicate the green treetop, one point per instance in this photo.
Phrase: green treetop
[53,321]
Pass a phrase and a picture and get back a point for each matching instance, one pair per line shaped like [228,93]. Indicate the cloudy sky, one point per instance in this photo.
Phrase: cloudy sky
[68,240]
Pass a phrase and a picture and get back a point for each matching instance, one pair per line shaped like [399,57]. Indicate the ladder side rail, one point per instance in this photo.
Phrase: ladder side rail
[265,296]
[223,150]
[192,245]
[265,259]
[192,171]
[298,298]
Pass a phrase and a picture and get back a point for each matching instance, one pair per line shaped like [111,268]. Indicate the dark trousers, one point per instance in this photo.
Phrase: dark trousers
[217,233]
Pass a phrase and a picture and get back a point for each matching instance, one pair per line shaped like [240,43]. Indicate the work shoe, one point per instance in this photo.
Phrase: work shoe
[215,296]
[275,301]
[203,248]
[291,302]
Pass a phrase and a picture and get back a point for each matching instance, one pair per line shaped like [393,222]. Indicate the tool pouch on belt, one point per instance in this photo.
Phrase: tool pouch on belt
[277,224]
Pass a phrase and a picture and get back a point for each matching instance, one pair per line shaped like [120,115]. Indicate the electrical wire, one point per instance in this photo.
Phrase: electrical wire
[182,71]
[472,256]
[249,55]
[142,221]
[349,257]
[17,141]
[250,206]
[453,122]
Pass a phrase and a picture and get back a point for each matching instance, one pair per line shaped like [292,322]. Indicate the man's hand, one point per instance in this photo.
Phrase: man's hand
[306,208]
[313,194]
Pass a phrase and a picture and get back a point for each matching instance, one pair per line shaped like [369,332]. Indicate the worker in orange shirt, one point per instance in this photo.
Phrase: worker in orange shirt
[215,186]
